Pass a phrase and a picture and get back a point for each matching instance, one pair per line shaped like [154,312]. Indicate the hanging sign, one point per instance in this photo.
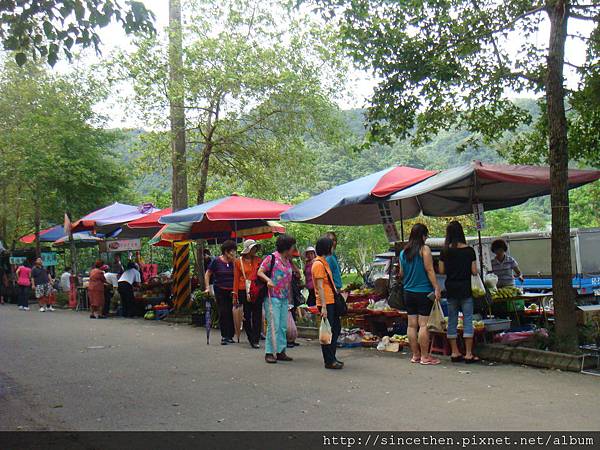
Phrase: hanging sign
[17,260]
[479,214]
[389,225]
[121,245]
[49,259]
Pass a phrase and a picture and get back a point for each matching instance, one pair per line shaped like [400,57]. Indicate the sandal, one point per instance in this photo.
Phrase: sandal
[430,361]
[472,360]
[415,360]
[456,359]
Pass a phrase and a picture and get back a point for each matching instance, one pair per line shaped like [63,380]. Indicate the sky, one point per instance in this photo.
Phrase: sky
[360,84]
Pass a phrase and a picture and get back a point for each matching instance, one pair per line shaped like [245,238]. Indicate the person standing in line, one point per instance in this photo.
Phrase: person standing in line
[334,263]
[42,285]
[458,262]
[310,254]
[130,278]
[221,269]
[325,294]
[279,283]
[96,290]
[416,270]
[244,272]
[23,286]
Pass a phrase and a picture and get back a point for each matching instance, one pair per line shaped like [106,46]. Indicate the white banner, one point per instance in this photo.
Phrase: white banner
[123,245]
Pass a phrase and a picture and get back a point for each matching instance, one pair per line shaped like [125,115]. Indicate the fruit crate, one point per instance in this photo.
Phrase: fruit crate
[160,314]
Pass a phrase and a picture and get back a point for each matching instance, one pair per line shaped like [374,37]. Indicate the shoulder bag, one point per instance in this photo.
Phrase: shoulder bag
[341,308]
[258,288]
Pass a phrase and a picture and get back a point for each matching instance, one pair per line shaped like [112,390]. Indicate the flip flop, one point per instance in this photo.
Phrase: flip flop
[472,360]
[430,362]
[415,360]
[456,359]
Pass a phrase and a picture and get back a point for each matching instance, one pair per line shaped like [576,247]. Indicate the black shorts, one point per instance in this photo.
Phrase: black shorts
[417,303]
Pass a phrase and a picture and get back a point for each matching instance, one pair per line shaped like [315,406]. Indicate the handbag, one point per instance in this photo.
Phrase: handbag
[341,308]
[247,282]
[396,297]
[258,288]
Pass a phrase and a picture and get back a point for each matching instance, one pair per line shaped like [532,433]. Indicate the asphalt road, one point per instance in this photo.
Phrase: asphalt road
[63,371]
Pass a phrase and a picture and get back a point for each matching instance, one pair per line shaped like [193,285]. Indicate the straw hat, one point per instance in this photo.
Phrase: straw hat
[249,244]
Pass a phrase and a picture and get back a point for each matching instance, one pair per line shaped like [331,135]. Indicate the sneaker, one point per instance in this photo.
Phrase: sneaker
[283,357]
[50,308]
[26,308]
[21,308]
[42,309]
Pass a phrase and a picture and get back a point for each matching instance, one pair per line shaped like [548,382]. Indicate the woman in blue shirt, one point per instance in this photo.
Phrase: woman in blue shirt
[416,270]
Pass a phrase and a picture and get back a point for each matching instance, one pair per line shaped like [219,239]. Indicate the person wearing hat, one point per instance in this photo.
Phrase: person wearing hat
[245,270]
[310,254]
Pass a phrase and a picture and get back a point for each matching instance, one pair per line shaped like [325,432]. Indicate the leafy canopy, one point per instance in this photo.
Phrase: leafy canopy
[45,28]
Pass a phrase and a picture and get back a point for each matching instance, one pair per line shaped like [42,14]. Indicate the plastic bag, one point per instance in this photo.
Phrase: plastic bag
[491,281]
[477,287]
[436,318]
[292,331]
[325,335]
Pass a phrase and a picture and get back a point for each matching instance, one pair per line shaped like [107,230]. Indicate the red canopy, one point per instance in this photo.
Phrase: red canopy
[399,178]
[533,175]
[151,220]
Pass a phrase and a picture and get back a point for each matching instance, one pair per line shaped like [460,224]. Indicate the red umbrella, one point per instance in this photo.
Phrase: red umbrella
[151,220]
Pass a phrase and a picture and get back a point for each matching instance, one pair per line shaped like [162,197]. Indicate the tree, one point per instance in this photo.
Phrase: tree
[446,64]
[45,28]
[179,193]
[54,156]
[258,83]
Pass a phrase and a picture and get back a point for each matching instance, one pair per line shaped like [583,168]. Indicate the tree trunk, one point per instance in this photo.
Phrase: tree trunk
[179,195]
[564,301]
[37,221]
[204,167]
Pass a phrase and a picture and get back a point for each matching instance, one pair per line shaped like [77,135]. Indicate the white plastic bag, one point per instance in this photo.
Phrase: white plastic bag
[491,281]
[325,334]
[477,287]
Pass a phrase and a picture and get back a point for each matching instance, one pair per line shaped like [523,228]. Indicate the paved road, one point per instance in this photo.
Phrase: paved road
[63,371]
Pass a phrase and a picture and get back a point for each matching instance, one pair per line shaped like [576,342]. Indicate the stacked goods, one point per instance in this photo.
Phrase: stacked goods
[506,293]
[401,339]
[369,340]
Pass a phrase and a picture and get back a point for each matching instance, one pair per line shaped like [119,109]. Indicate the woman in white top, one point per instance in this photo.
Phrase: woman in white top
[130,278]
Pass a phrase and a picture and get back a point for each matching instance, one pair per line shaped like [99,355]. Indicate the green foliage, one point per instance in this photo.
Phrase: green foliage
[257,91]
[47,28]
[53,151]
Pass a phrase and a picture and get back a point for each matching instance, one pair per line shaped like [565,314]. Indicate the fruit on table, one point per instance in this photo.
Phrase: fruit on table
[507,292]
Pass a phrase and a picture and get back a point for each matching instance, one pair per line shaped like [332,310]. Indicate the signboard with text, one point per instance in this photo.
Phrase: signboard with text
[48,259]
[388,223]
[479,214]
[121,245]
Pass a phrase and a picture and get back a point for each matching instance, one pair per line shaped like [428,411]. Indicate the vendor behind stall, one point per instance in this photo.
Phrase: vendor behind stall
[503,265]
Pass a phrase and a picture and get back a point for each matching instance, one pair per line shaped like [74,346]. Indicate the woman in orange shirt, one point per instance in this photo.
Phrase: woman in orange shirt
[324,289]
[244,271]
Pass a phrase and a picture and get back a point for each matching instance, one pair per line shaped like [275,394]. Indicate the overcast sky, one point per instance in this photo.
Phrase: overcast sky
[361,86]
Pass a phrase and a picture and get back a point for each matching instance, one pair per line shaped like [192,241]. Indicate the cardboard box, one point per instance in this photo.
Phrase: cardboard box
[586,313]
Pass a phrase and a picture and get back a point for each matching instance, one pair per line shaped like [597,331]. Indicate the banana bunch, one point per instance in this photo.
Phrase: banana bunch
[506,292]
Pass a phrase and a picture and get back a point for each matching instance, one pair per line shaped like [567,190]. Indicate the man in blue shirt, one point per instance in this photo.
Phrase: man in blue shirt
[334,265]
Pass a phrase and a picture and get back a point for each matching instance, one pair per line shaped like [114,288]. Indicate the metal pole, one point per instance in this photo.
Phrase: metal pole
[401,220]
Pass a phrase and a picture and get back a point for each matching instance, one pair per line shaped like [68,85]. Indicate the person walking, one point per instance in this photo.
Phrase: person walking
[334,263]
[23,286]
[416,269]
[309,254]
[245,271]
[279,281]
[325,296]
[458,261]
[96,286]
[130,278]
[42,285]
[221,270]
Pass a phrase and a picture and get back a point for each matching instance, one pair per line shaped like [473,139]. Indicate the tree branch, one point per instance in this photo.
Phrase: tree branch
[582,17]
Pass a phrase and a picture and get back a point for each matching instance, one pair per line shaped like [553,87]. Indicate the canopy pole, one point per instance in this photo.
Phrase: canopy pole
[401,220]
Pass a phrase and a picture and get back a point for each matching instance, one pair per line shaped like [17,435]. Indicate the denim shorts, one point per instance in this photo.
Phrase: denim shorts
[466,306]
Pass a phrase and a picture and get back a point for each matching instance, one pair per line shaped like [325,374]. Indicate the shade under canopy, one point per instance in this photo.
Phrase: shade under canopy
[453,192]
[357,202]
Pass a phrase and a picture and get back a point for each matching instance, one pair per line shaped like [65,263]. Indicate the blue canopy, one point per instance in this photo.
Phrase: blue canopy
[357,202]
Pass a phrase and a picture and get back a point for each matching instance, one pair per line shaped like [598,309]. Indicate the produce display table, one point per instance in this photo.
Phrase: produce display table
[533,297]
